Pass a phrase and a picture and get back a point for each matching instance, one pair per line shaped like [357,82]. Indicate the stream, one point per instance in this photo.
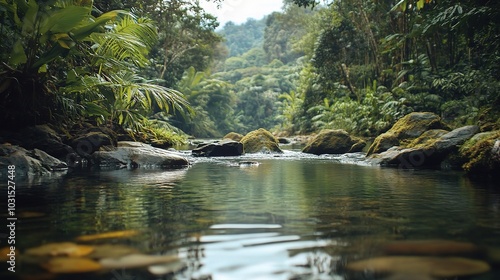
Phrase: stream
[290,216]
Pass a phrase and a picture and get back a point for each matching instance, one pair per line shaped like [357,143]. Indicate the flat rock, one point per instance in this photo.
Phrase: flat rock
[138,155]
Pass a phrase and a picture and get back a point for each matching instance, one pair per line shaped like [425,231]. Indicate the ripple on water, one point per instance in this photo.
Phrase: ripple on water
[230,251]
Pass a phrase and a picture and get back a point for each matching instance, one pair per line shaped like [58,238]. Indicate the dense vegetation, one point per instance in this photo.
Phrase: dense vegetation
[361,65]
[160,68]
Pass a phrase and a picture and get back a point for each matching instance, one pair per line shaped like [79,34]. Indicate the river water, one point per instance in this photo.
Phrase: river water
[292,216]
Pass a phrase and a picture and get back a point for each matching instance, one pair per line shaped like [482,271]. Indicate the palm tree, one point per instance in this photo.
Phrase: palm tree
[99,75]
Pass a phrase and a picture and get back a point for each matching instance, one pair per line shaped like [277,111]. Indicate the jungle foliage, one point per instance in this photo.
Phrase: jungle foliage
[157,67]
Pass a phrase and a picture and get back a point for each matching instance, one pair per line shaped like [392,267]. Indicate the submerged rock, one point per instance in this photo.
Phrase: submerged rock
[223,148]
[334,142]
[137,155]
[407,128]
[260,141]
[29,163]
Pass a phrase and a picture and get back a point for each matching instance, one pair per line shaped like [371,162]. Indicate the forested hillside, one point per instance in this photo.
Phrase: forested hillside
[157,69]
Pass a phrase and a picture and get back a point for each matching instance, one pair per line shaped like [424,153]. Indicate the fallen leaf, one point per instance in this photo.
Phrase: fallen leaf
[71,265]
[61,249]
[113,234]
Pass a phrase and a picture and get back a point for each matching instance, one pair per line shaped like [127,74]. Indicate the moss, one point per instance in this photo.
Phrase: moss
[427,138]
[334,142]
[405,130]
[489,118]
[233,136]
[358,146]
[383,142]
[260,140]
[481,158]
[414,124]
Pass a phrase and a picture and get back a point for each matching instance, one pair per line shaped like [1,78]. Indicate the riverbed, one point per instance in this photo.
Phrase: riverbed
[290,216]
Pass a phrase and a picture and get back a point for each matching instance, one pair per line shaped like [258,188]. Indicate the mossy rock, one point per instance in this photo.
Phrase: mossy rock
[414,124]
[233,136]
[427,138]
[489,118]
[260,141]
[383,143]
[405,130]
[334,142]
[482,154]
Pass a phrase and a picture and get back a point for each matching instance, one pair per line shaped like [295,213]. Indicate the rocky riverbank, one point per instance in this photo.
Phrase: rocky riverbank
[42,150]
[418,140]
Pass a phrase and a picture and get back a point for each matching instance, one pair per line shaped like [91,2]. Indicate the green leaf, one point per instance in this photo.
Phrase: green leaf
[64,20]
[55,51]
[18,56]
[420,4]
[64,40]
[30,19]
[82,32]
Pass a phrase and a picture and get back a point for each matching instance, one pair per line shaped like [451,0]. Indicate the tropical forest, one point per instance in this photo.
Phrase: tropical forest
[330,139]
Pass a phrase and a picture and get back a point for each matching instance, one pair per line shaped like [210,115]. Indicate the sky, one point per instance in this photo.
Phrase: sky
[238,11]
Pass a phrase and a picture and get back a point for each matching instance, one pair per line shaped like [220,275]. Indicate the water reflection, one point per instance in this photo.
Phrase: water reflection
[291,217]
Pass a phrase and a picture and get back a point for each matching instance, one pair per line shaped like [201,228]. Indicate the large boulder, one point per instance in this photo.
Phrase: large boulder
[334,142]
[29,162]
[406,129]
[137,155]
[481,154]
[90,142]
[426,151]
[260,141]
[233,136]
[41,137]
[223,148]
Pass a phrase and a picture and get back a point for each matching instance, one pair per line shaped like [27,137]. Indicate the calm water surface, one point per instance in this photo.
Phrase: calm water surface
[290,217]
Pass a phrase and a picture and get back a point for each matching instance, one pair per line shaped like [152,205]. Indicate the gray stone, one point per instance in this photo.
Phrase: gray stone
[90,142]
[29,163]
[223,148]
[137,155]
[429,153]
[407,128]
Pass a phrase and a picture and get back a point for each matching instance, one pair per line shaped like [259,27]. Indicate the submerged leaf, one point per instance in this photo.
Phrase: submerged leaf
[71,265]
[61,249]
[112,251]
[136,260]
[433,266]
[430,247]
[113,234]
[4,252]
